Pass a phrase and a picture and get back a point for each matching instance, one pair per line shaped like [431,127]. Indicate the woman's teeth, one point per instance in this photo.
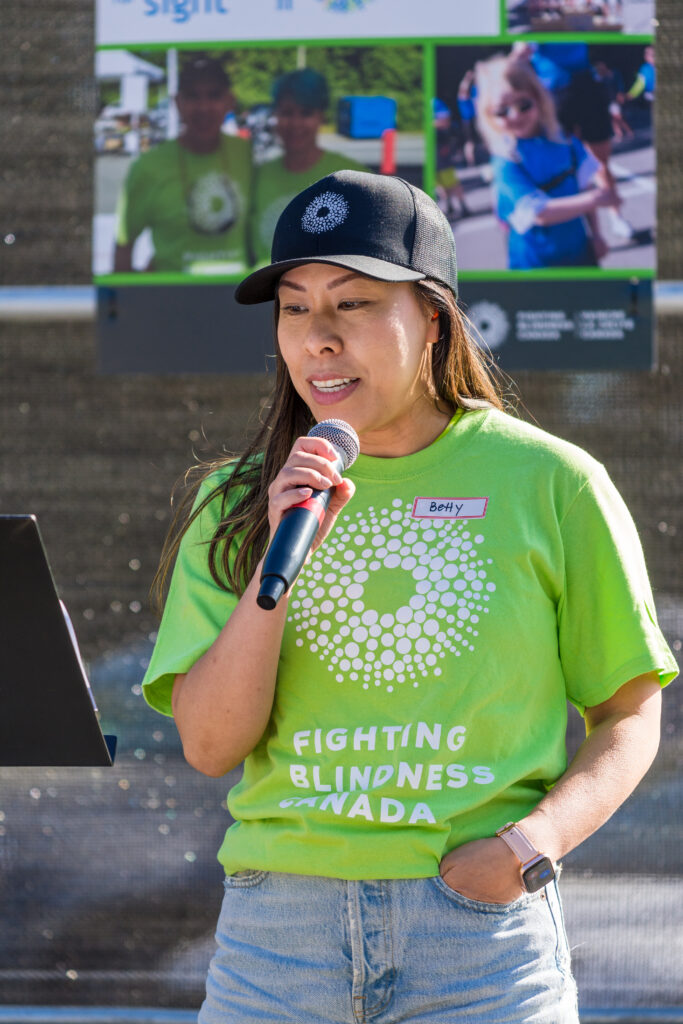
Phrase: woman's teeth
[333,385]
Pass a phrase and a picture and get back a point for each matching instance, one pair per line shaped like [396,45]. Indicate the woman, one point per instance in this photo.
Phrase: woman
[543,180]
[405,702]
[300,100]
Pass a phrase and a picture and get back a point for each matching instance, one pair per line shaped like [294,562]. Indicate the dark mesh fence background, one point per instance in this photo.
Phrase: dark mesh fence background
[109,887]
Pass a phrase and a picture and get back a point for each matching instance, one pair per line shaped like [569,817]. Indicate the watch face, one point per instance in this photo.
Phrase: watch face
[538,874]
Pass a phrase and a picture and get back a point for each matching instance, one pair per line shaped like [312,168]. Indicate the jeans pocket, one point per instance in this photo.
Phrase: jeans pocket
[523,901]
[246,879]
[562,953]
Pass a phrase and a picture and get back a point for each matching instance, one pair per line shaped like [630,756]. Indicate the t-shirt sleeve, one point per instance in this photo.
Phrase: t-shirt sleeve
[608,632]
[131,212]
[196,608]
[519,199]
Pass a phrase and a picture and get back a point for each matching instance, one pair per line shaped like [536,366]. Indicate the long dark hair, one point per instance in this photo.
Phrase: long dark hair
[462,377]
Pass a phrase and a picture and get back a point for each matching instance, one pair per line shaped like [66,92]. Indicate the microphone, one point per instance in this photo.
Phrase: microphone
[300,523]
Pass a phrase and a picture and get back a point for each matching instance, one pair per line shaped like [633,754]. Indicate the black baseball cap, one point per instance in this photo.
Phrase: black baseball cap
[202,69]
[376,224]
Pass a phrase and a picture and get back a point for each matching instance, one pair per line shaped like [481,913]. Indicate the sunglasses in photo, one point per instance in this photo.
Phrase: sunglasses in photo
[521,106]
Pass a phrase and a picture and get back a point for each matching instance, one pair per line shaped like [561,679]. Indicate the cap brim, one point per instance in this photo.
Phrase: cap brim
[261,285]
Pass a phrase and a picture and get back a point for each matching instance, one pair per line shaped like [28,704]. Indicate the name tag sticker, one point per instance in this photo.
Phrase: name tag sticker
[449,508]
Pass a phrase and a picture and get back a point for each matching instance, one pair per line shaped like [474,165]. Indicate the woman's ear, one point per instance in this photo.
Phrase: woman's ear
[433,328]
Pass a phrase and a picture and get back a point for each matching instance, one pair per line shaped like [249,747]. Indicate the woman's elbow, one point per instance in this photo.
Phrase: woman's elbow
[209,763]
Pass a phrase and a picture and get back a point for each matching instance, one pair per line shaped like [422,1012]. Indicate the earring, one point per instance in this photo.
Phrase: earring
[435,316]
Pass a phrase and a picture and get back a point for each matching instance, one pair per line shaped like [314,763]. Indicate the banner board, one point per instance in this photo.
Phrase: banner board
[529,121]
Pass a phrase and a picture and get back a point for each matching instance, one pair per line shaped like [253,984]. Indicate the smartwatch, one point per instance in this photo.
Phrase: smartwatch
[537,869]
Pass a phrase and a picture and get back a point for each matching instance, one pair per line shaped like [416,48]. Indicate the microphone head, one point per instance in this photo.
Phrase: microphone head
[342,436]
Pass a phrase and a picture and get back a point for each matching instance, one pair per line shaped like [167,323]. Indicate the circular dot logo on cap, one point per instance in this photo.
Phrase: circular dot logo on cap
[325,212]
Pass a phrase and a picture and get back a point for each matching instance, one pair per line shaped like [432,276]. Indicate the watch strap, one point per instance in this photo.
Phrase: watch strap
[522,847]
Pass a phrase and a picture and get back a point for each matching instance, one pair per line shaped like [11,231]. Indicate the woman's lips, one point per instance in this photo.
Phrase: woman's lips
[327,392]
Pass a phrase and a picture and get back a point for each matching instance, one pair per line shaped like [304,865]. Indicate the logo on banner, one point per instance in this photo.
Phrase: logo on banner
[181,11]
[345,6]
[491,321]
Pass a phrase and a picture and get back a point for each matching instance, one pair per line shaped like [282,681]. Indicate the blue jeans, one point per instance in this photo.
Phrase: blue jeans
[315,950]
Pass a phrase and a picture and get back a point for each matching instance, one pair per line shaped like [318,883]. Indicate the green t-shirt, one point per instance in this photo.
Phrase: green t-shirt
[431,643]
[276,187]
[196,206]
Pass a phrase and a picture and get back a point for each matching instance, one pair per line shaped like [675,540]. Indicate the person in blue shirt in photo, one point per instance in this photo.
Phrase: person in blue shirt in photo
[646,79]
[543,180]
[582,101]
[467,109]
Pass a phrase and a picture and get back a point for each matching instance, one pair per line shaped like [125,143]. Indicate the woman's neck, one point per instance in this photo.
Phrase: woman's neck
[407,437]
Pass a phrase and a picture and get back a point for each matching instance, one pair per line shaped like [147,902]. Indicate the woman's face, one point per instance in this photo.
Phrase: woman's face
[297,126]
[358,349]
[515,113]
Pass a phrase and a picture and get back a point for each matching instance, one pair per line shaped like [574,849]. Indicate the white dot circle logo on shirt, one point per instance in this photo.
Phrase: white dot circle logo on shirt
[448,592]
[325,212]
[212,204]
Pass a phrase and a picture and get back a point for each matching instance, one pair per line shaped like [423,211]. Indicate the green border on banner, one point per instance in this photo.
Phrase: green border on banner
[578,37]
[502,39]
[138,278]
[266,44]
[547,274]
[428,95]
[559,274]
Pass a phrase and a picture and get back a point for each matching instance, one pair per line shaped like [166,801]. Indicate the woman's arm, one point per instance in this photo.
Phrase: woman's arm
[621,743]
[222,705]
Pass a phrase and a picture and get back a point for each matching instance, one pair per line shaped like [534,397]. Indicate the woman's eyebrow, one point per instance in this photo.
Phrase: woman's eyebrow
[333,284]
[342,280]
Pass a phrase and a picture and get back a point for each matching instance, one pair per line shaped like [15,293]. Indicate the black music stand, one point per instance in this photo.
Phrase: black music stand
[48,715]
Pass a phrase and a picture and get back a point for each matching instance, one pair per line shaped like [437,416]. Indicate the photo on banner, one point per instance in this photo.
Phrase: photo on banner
[545,155]
[198,152]
[630,17]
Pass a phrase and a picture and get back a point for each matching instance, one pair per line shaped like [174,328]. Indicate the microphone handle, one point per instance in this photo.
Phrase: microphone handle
[292,541]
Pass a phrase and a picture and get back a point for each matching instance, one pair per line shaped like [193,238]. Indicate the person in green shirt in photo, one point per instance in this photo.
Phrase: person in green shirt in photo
[300,99]
[192,192]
